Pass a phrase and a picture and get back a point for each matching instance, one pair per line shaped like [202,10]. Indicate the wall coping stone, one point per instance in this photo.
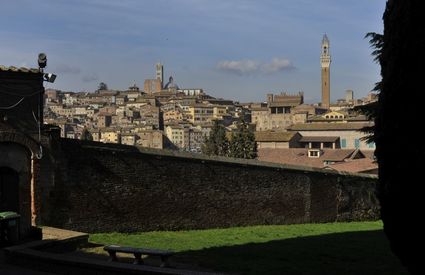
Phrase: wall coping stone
[205,158]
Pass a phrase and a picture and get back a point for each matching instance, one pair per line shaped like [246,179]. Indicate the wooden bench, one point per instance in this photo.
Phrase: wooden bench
[138,252]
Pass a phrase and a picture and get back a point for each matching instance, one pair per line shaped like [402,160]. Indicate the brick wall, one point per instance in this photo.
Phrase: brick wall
[95,187]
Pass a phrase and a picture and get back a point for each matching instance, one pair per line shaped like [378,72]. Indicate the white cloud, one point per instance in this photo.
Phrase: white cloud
[277,65]
[240,67]
[247,66]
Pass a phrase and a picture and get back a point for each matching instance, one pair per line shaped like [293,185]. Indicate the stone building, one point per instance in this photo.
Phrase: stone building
[349,134]
[269,139]
[201,113]
[279,113]
[21,119]
[151,86]
[150,139]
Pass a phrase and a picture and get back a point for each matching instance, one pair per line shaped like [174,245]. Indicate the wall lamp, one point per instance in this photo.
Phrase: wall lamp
[49,77]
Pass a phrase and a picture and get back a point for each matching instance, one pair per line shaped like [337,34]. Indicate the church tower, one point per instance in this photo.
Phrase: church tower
[325,61]
[160,73]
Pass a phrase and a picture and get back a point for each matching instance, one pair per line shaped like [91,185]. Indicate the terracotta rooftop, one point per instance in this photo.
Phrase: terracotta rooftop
[274,136]
[319,139]
[264,109]
[369,154]
[355,166]
[21,69]
[299,156]
[346,118]
[328,126]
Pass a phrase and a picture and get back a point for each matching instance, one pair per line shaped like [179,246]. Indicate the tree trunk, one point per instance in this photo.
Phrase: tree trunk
[400,151]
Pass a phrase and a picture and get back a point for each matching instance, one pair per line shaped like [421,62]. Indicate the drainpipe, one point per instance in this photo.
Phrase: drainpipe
[33,179]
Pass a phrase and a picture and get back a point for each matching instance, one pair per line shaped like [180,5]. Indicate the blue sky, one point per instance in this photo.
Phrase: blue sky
[235,49]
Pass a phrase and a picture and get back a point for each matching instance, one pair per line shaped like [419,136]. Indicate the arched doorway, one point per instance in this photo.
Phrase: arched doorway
[9,190]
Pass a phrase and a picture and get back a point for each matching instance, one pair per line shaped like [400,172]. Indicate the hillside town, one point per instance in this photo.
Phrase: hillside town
[164,115]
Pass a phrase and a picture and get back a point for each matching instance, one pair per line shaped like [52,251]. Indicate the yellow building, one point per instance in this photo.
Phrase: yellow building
[110,135]
[173,115]
[219,112]
[200,113]
[178,135]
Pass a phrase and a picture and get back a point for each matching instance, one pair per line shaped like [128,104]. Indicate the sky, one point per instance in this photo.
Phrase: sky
[233,49]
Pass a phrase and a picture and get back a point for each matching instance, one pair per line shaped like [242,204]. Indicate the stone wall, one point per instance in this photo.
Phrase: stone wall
[95,187]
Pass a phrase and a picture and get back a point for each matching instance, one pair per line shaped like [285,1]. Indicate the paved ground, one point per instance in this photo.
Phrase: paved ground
[48,233]
[14,270]
[76,258]
[6,269]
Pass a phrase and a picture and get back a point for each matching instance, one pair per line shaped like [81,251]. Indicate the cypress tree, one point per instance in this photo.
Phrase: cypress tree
[216,144]
[242,144]
[86,135]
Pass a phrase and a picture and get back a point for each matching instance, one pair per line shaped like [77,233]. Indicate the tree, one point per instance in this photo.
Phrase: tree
[86,135]
[399,105]
[371,110]
[217,143]
[102,86]
[242,144]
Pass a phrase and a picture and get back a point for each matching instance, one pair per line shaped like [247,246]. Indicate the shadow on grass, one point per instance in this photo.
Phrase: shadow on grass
[361,252]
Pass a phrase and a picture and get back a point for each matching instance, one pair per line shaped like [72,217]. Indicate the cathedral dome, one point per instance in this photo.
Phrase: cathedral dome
[171,84]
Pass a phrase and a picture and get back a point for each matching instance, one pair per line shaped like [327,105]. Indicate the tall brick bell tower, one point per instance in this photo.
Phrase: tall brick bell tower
[325,61]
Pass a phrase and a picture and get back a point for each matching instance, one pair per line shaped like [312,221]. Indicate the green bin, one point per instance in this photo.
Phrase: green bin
[9,227]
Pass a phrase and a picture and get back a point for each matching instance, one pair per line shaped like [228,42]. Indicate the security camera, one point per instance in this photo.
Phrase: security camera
[42,60]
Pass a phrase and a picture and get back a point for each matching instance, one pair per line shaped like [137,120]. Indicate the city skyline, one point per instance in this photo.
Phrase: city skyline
[238,50]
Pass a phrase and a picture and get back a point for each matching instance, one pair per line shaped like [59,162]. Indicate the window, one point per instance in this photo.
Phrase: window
[327,145]
[313,153]
[343,143]
[357,143]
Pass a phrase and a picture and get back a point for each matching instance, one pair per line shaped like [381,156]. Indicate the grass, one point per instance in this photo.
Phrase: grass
[332,248]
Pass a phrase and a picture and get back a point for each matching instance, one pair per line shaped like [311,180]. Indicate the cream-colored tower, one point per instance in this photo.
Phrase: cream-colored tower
[325,61]
[160,73]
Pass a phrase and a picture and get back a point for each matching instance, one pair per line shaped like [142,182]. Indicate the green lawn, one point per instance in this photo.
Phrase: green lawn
[332,248]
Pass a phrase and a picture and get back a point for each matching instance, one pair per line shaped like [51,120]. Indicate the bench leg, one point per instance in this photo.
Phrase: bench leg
[164,261]
[138,258]
[113,256]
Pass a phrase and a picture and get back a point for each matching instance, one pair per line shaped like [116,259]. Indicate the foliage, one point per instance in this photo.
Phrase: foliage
[370,110]
[102,86]
[400,166]
[331,248]
[216,144]
[376,41]
[242,144]
[86,135]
